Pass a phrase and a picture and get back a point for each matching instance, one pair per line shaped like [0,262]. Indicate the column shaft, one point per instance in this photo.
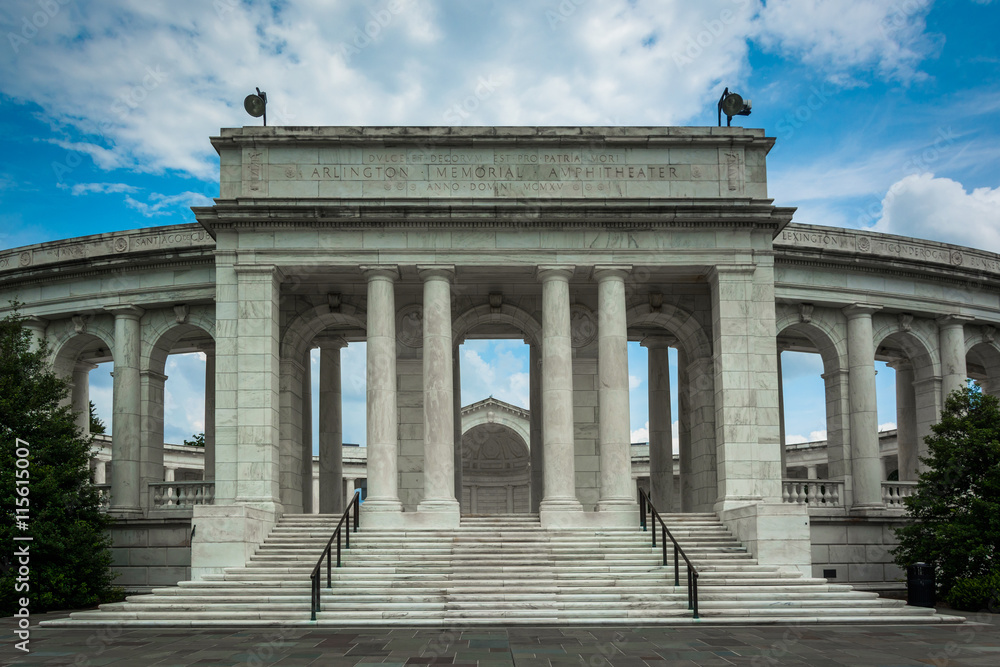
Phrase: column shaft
[661,454]
[953,366]
[383,420]
[613,432]
[906,423]
[331,445]
[536,450]
[865,464]
[456,381]
[684,432]
[209,473]
[306,477]
[557,392]
[126,423]
[781,419]
[81,395]
[439,399]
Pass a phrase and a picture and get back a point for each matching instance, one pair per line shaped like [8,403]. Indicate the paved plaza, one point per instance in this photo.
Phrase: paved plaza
[974,643]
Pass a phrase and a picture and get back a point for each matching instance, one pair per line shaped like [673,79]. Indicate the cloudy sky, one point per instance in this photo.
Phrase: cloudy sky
[884,111]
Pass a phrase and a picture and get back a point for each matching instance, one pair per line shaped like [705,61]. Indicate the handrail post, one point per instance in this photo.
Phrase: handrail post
[642,509]
[329,575]
[694,579]
[338,548]
[663,543]
[677,568]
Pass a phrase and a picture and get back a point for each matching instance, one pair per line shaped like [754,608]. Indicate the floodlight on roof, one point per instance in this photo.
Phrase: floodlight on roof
[256,105]
[732,104]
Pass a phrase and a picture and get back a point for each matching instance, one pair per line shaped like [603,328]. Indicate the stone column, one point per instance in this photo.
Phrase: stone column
[906,421]
[169,472]
[952,340]
[439,399]
[557,395]
[81,395]
[151,397]
[536,450]
[838,428]
[331,441]
[811,472]
[684,432]
[127,421]
[209,474]
[456,383]
[865,465]
[306,477]
[383,420]
[352,486]
[100,472]
[781,418]
[613,432]
[315,494]
[661,447]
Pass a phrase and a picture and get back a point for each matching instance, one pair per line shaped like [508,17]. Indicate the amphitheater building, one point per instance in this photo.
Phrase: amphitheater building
[573,239]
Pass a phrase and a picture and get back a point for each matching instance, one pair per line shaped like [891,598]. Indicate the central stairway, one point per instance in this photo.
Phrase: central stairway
[502,570]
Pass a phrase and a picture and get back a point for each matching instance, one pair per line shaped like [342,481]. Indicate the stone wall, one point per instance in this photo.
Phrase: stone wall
[857,550]
[150,553]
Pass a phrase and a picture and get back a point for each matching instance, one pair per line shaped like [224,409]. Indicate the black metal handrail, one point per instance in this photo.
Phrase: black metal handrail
[355,504]
[692,573]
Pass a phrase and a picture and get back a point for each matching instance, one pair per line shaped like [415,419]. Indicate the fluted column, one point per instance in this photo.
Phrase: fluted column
[661,447]
[613,432]
[383,421]
[906,422]
[536,450]
[456,382]
[306,460]
[439,400]
[953,367]
[126,423]
[557,393]
[865,464]
[209,473]
[81,395]
[331,443]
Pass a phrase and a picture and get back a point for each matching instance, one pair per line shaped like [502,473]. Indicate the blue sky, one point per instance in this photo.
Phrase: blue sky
[884,113]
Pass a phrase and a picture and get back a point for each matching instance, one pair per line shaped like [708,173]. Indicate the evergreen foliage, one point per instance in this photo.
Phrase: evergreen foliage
[70,557]
[956,506]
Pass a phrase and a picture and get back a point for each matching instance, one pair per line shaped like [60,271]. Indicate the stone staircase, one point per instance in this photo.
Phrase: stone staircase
[502,570]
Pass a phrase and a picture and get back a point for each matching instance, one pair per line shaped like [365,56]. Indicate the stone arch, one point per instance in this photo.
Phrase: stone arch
[511,315]
[496,470]
[301,331]
[828,334]
[983,351]
[918,339]
[681,323]
[497,415]
[162,332]
[67,343]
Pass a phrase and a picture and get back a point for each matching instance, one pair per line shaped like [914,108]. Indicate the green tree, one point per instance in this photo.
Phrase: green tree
[96,424]
[70,559]
[197,440]
[956,506]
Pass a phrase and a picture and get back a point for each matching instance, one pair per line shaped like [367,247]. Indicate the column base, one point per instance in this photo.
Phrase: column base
[125,512]
[372,505]
[774,533]
[438,506]
[617,505]
[868,510]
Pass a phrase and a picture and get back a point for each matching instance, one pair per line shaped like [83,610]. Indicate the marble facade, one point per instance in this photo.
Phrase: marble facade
[574,240]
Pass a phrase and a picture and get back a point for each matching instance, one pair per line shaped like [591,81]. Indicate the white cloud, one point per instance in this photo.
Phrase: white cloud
[160,204]
[641,434]
[842,35]
[102,188]
[795,439]
[924,206]
[634,382]
[495,368]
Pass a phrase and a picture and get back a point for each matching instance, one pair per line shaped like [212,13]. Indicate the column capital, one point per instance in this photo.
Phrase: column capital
[153,375]
[329,342]
[856,310]
[257,269]
[607,271]
[954,320]
[735,270]
[125,312]
[380,271]
[554,271]
[658,341]
[900,364]
[842,373]
[432,271]
[34,322]
[82,366]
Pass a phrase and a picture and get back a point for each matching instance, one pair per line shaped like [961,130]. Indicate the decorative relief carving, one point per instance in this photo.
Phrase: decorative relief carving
[905,321]
[121,243]
[956,257]
[25,258]
[806,312]
[989,334]
[181,313]
[583,325]
[864,244]
[80,323]
[496,301]
[409,326]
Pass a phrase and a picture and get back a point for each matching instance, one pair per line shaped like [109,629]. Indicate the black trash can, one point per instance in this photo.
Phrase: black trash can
[920,585]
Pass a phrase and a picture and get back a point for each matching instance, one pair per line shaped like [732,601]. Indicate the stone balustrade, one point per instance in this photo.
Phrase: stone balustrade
[813,492]
[894,492]
[180,495]
[105,492]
